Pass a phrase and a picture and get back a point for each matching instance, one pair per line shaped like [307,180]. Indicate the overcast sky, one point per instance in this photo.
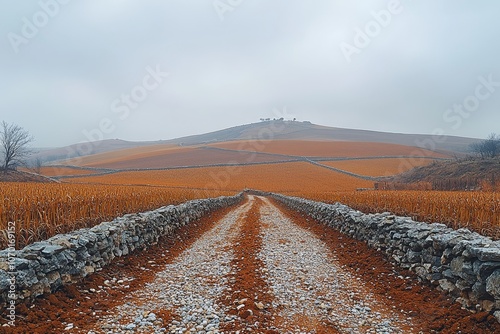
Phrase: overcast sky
[76,70]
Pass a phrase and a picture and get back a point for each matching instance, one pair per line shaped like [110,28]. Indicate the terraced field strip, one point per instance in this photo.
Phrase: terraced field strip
[283,178]
[328,148]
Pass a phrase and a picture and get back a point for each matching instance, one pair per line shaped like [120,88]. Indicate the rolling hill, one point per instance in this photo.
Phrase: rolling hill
[291,130]
[276,130]
[246,153]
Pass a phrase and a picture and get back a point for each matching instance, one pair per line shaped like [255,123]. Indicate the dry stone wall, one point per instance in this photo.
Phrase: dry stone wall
[462,263]
[43,267]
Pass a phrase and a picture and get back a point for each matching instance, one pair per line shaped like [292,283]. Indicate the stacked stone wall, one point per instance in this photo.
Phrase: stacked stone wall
[43,267]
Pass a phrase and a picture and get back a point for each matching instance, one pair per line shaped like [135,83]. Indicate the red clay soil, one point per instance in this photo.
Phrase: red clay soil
[429,309]
[247,287]
[75,304]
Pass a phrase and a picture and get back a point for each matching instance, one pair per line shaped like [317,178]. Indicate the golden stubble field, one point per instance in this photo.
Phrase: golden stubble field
[41,210]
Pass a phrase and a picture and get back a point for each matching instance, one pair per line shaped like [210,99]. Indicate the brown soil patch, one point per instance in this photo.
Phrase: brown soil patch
[315,325]
[247,286]
[430,310]
[78,305]
[166,316]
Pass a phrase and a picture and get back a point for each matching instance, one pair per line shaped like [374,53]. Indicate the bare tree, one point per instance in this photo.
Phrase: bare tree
[479,148]
[488,148]
[492,145]
[14,142]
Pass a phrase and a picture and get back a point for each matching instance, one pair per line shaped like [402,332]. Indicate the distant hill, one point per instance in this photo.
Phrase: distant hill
[84,149]
[292,130]
[279,130]
[245,152]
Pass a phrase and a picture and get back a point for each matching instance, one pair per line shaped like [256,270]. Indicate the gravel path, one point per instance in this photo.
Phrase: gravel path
[310,292]
[187,289]
[311,287]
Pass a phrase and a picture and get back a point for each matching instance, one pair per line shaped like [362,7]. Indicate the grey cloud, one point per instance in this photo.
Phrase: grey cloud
[263,55]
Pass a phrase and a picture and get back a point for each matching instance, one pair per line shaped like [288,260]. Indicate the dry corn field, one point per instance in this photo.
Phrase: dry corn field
[478,211]
[41,210]
[329,148]
[378,167]
[283,177]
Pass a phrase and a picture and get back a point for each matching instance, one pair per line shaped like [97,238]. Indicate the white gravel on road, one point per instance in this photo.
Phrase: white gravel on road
[190,286]
[311,287]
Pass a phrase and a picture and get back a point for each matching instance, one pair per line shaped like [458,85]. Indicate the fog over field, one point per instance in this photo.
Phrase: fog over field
[148,70]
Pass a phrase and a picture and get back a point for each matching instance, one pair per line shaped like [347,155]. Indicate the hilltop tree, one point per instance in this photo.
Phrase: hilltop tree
[14,142]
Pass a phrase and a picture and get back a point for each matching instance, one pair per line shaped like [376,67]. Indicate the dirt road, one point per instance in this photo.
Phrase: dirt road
[255,268]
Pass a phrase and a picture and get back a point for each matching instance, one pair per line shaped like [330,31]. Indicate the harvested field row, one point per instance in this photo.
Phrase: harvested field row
[378,167]
[370,166]
[478,211]
[285,177]
[329,148]
[161,156]
[186,157]
[41,210]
